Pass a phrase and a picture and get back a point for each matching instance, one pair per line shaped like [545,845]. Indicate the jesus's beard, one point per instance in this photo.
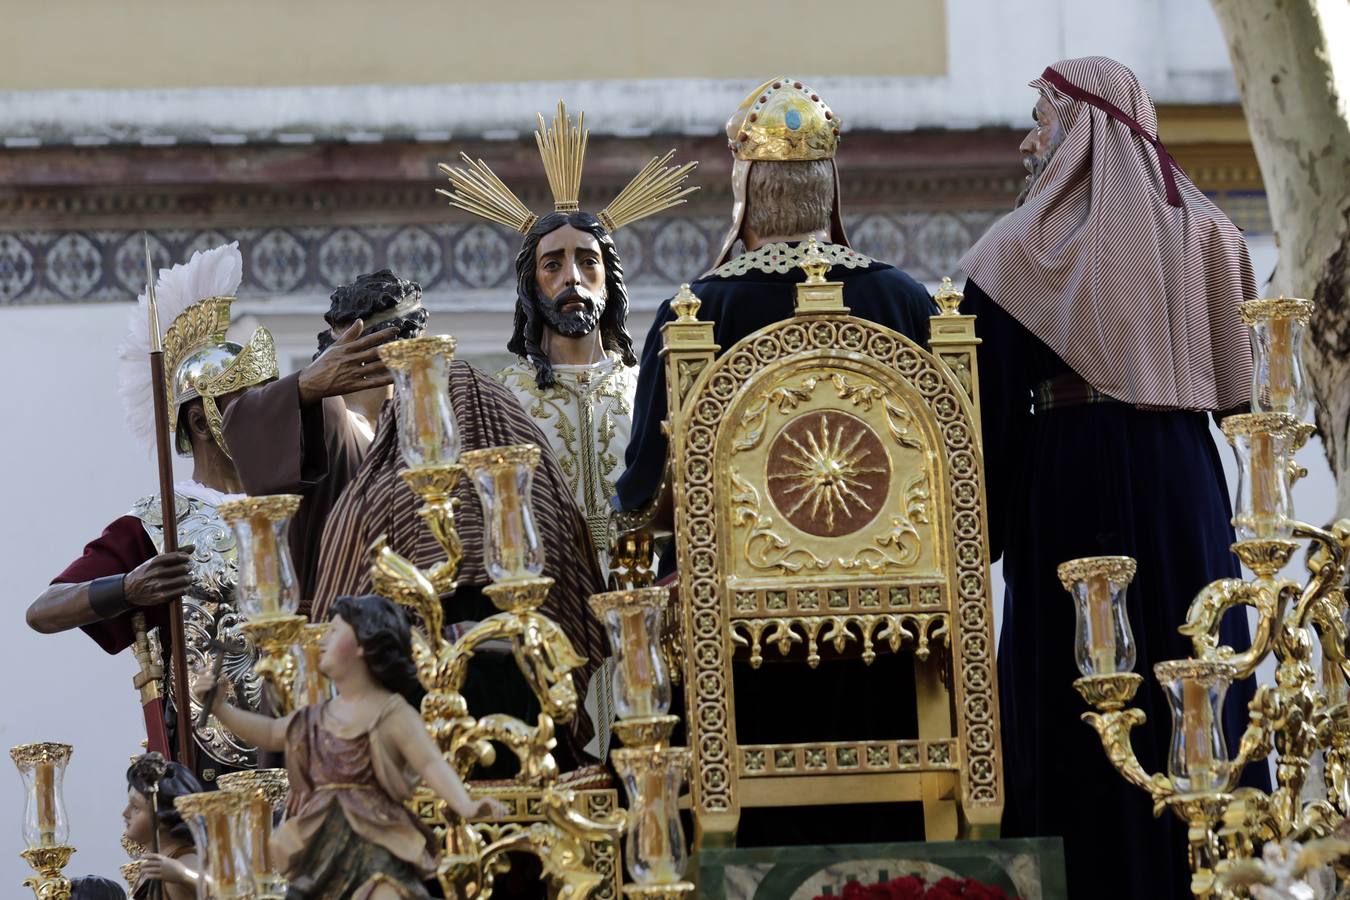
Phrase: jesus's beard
[573,323]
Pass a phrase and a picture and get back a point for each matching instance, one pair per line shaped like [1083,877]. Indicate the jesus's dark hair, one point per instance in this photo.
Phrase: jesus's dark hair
[526,339]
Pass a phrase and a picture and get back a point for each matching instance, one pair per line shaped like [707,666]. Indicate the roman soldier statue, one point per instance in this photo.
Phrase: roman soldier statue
[119,589]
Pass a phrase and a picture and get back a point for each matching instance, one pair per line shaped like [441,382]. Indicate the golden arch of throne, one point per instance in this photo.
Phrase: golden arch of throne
[826,479]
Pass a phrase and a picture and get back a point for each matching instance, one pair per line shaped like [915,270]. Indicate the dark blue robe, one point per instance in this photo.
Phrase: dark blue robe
[1094,480]
[788,702]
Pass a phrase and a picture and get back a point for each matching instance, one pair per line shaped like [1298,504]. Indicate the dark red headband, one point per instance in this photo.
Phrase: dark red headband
[1165,160]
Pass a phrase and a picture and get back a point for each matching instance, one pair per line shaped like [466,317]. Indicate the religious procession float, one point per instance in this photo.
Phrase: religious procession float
[824,651]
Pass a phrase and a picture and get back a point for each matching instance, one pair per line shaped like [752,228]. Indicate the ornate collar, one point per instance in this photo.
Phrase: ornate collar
[780,258]
[198,491]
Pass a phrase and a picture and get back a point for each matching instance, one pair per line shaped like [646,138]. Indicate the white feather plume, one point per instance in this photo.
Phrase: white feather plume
[210,273]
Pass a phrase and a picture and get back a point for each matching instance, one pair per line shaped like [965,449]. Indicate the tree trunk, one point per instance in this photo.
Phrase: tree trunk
[1292,61]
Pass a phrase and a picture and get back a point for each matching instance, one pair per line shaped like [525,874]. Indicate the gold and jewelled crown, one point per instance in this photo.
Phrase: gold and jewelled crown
[783,120]
[476,189]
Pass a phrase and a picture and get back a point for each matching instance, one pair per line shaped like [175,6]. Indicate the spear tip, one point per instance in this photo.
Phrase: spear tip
[156,344]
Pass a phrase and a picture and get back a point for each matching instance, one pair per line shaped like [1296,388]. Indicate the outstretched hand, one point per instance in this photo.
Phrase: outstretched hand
[351,363]
[199,682]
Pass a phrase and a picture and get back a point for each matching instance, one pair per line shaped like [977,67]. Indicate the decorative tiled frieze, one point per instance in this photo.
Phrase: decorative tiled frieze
[450,260]
[752,603]
[446,259]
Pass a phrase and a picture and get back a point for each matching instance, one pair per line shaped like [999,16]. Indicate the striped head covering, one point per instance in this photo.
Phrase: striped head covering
[1116,260]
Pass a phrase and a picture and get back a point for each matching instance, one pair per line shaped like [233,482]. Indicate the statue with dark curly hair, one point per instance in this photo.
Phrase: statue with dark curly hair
[307,433]
[352,761]
[576,371]
[383,303]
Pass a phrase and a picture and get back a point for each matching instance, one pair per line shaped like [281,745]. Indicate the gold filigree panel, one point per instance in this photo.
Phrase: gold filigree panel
[847,758]
[525,807]
[916,404]
[830,472]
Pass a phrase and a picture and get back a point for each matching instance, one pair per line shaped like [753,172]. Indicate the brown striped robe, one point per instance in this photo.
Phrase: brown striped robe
[376,502]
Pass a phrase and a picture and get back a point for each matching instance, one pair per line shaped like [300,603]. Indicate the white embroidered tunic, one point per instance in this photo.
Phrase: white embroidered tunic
[587,417]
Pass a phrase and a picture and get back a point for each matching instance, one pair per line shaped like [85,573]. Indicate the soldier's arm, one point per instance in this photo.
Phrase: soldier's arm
[63,606]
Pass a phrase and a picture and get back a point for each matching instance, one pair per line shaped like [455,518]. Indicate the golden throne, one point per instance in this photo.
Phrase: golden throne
[826,480]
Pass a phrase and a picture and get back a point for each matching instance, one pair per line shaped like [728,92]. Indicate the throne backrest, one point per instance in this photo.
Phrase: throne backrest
[827,478]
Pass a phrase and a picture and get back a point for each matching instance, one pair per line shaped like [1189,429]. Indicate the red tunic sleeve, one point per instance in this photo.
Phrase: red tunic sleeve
[123,546]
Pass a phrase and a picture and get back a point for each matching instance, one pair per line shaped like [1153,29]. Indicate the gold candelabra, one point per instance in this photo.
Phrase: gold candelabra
[1302,626]
[269,591]
[219,822]
[513,558]
[265,792]
[652,771]
[46,829]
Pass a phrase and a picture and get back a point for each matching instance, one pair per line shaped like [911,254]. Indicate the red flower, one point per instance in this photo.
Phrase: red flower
[852,891]
[911,887]
[977,891]
[946,889]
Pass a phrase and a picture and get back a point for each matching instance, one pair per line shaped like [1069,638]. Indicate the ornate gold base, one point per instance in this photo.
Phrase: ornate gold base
[1199,808]
[1108,693]
[519,596]
[275,637]
[274,784]
[275,630]
[659,891]
[1265,558]
[434,484]
[49,883]
[647,731]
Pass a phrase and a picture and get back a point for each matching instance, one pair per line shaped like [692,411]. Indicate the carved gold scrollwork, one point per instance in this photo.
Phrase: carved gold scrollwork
[765,548]
[899,420]
[688,370]
[784,398]
[904,535]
